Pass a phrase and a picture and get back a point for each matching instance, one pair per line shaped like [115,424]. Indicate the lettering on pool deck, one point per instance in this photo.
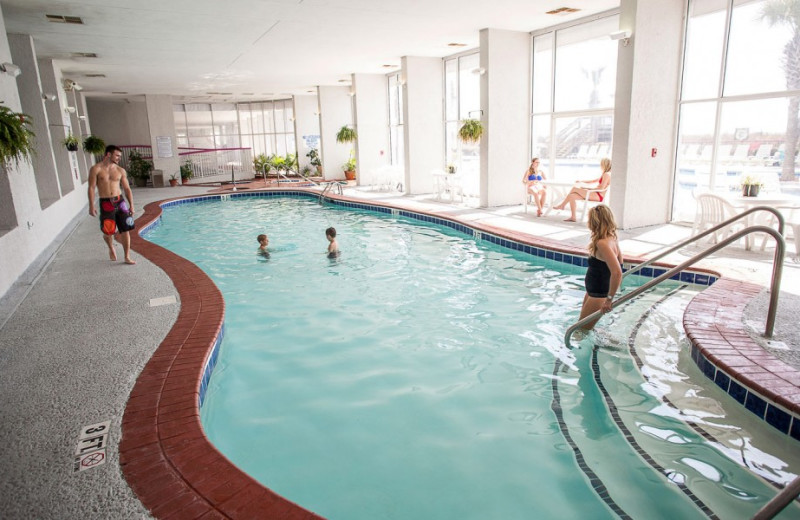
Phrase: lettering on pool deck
[91,449]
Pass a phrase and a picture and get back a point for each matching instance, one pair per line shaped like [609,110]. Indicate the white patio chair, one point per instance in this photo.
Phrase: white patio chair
[587,202]
[712,210]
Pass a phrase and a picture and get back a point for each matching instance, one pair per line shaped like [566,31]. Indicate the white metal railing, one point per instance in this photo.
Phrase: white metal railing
[211,162]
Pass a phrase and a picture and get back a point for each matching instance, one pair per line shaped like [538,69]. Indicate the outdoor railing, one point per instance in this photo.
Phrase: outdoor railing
[209,162]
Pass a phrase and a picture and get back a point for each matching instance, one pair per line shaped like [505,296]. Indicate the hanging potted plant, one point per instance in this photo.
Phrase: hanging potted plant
[139,169]
[349,169]
[71,142]
[471,131]
[187,171]
[94,145]
[346,135]
[16,137]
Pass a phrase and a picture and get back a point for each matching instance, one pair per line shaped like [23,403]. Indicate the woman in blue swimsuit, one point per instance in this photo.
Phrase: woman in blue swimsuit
[604,275]
[533,182]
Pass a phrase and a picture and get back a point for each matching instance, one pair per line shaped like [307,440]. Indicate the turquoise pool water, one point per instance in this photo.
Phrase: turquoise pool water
[422,375]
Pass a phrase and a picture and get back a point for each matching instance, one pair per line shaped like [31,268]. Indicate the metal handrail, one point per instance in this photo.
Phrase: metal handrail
[777,271]
[695,238]
[329,186]
[779,501]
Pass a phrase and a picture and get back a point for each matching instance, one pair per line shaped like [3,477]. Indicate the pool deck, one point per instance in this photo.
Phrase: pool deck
[86,340]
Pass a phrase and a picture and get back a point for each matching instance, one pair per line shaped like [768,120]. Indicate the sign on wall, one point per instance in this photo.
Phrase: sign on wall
[164,145]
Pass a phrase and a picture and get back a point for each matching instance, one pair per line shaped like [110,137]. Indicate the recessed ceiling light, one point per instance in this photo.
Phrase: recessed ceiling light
[83,54]
[456,44]
[563,10]
[58,18]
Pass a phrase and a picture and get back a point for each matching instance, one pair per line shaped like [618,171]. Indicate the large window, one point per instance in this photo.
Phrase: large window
[396,138]
[739,99]
[462,100]
[573,87]
[266,127]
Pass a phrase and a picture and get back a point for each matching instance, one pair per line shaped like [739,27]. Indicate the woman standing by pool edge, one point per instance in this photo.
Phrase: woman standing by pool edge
[604,275]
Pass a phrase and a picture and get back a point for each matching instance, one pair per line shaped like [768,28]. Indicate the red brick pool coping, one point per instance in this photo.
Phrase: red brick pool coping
[177,473]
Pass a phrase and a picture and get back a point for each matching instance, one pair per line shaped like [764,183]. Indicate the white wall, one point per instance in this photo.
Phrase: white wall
[372,120]
[646,104]
[26,229]
[335,112]
[60,125]
[120,122]
[306,127]
[423,115]
[505,100]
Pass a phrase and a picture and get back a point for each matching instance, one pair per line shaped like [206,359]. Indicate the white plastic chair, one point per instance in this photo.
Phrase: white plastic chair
[712,210]
[587,202]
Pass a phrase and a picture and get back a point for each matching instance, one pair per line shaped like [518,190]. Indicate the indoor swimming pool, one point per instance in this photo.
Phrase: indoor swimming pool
[422,374]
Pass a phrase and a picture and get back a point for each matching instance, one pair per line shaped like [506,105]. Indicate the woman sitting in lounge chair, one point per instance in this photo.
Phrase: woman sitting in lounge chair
[581,188]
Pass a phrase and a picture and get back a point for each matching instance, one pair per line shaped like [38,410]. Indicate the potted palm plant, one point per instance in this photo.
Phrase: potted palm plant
[471,131]
[94,145]
[187,171]
[346,135]
[71,142]
[16,137]
[173,180]
[139,168]
[314,159]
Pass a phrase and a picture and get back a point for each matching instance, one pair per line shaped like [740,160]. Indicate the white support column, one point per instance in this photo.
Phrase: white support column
[371,93]
[423,115]
[335,107]
[646,104]
[23,54]
[161,124]
[59,122]
[505,58]
[306,127]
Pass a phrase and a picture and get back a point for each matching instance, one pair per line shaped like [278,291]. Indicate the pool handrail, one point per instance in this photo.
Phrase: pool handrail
[707,232]
[779,501]
[777,270]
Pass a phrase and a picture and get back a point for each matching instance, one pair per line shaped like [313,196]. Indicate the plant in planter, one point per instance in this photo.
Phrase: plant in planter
[349,169]
[71,142]
[139,168]
[314,159]
[346,135]
[94,145]
[278,163]
[451,168]
[187,171]
[291,163]
[16,137]
[751,186]
[471,131]
[261,165]
[173,179]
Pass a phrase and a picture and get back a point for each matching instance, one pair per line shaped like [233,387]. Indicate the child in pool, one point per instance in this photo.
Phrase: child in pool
[333,246]
[263,242]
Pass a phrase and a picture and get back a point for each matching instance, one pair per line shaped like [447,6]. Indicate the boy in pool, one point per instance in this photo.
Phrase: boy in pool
[263,242]
[333,246]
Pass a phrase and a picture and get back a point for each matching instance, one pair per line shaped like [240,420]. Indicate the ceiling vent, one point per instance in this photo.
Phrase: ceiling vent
[58,18]
[118,92]
[95,75]
[563,10]
[83,55]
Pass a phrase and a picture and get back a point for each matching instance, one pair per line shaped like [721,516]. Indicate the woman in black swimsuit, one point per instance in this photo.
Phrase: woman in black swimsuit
[604,275]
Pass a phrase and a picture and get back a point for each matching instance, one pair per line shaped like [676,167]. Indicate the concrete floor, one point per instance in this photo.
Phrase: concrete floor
[77,329]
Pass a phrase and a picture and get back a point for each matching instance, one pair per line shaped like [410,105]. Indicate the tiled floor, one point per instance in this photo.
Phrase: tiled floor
[177,473]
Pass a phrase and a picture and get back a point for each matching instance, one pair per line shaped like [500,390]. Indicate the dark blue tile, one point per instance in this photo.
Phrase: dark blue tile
[701,279]
[647,271]
[722,380]
[550,255]
[687,277]
[737,391]
[795,429]
[558,257]
[708,368]
[755,404]
[658,272]
[778,418]
[541,253]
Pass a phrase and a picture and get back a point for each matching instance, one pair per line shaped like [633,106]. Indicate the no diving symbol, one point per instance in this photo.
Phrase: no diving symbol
[93,459]
[90,460]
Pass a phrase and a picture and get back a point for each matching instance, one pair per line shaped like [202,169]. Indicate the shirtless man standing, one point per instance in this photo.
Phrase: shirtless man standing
[116,215]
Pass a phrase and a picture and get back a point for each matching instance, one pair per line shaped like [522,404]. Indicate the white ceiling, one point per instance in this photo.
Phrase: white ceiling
[260,49]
